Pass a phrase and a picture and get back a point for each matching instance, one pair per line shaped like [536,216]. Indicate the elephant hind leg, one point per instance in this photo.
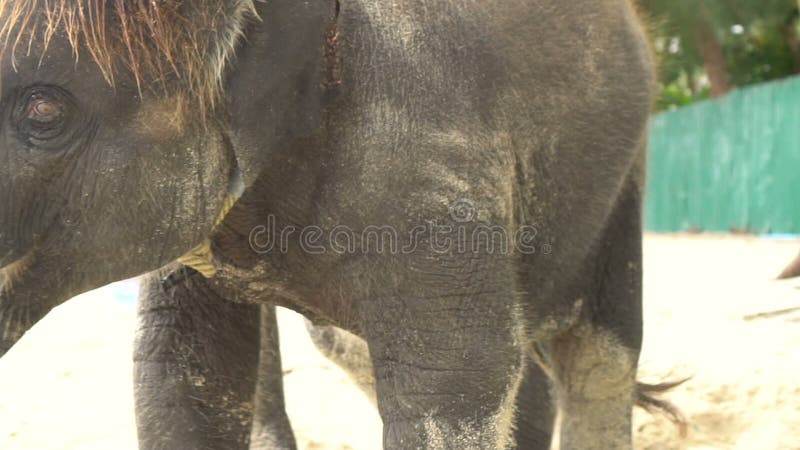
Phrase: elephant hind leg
[271,427]
[535,410]
[596,384]
[349,352]
[537,403]
[595,362]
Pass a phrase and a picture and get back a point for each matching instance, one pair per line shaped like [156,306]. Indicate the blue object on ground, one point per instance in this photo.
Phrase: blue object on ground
[781,237]
[125,291]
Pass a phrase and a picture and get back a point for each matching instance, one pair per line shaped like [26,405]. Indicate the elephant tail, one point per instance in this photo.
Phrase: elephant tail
[648,398]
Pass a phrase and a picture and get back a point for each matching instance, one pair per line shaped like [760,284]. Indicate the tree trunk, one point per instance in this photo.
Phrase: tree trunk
[712,54]
[793,40]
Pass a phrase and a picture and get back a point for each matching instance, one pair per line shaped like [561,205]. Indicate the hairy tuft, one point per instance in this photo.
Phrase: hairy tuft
[647,398]
[171,47]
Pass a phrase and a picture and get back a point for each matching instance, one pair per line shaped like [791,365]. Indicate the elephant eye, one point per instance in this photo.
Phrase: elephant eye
[44,110]
[42,114]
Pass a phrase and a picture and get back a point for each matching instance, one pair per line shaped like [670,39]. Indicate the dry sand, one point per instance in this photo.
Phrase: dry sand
[67,384]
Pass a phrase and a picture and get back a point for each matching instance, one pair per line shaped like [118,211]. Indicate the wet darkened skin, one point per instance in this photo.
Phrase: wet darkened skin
[466,115]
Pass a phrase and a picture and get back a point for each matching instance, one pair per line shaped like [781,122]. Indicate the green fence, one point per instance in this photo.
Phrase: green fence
[728,164]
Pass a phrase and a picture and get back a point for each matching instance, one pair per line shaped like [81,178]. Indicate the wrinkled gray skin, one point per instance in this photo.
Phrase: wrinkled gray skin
[533,111]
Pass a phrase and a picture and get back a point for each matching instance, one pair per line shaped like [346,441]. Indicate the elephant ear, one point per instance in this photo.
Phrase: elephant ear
[276,88]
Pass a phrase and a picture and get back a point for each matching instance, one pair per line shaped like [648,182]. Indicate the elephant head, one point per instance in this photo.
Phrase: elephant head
[111,164]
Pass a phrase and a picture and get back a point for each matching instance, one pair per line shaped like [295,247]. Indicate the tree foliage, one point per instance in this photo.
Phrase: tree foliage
[708,47]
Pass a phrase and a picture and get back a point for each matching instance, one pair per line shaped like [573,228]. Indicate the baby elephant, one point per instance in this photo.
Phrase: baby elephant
[455,186]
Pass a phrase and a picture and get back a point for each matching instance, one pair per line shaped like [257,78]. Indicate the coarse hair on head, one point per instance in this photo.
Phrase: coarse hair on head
[174,48]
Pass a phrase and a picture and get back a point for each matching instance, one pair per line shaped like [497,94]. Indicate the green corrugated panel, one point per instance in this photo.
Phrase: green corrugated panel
[728,164]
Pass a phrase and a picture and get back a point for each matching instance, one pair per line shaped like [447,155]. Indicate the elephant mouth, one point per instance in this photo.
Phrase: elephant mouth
[4,348]
[12,272]
[13,320]
[11,331]
[8,259]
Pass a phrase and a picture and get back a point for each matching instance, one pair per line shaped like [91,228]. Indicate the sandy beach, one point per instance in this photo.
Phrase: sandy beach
[712,312]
